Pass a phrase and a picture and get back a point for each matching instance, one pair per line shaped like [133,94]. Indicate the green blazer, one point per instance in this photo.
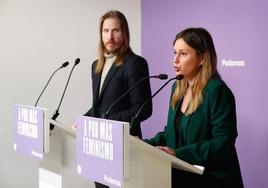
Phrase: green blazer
[207,136]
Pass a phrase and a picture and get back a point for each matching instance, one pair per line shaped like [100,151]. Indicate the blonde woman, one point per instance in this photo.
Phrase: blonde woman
[201,125]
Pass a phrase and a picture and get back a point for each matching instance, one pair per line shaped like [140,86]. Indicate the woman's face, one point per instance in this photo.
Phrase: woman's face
[186,61]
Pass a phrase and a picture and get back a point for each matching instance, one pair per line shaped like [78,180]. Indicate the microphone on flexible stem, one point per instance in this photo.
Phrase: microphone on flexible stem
[56,113]
[133,121]
[65,64]
[159,76]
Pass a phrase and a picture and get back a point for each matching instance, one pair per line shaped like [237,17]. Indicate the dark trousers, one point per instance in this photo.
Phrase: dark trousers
[183,179]
[99,185]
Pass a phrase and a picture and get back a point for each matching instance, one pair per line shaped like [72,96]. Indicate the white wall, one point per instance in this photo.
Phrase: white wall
[36,37]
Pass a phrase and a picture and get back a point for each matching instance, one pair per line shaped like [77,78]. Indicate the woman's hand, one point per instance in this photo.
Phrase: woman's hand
[167,150]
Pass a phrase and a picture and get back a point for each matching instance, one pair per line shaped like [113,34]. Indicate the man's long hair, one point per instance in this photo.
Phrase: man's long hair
[201,41]
[124,49]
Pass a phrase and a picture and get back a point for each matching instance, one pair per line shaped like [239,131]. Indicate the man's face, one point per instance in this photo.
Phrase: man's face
[112,35]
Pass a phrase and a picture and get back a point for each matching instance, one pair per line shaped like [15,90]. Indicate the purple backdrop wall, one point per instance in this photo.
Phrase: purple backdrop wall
[239,29]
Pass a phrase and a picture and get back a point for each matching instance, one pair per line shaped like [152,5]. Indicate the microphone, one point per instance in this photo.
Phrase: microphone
[56,113]
[160,76]
[132,123]
[65,64]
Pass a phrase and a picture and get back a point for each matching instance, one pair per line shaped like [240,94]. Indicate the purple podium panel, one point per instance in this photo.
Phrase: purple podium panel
[100,150]
[28,131]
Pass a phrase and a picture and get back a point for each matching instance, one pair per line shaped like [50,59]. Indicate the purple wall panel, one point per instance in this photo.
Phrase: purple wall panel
[239,29]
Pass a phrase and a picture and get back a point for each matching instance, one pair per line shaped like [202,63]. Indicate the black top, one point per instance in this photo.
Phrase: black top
[179,116]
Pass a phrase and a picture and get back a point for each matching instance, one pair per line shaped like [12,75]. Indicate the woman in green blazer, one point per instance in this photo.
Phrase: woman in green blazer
[201,126]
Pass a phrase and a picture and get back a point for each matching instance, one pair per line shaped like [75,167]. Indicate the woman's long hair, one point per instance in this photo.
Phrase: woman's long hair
[201,41]
[124,49]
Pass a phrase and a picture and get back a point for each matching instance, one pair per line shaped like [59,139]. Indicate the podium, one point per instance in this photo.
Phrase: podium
[141,165]
[151,167]
[52,167]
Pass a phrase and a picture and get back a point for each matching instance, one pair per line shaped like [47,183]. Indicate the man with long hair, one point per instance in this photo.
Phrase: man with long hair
[116,70]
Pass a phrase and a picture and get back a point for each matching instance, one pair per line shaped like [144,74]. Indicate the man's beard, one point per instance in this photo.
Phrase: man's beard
[115,51]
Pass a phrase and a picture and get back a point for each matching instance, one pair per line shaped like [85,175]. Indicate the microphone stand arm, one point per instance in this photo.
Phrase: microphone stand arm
[46,86]
[133,120]
[56,113]
[119,98]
